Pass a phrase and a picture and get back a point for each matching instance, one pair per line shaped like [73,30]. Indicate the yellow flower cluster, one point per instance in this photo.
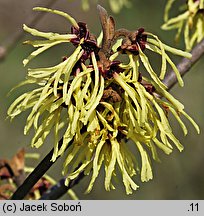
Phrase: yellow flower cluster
[190,22]
[96,116]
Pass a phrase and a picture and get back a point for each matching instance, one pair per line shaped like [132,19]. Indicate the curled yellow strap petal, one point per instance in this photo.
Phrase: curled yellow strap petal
[37,33]
[65,15]
[161,47]
[110,167]
[164,148]
[97,77]
[150,70]
[76,173]
[56,134]
[96,166]
[146,171]
[128,182]
[192,121]
[70,156]
[95,103]
[131,93]
[171,49]
[176,115]
[167,9]
[43,131]
[71,61]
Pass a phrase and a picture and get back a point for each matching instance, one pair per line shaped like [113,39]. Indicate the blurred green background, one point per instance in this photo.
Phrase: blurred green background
[180,175]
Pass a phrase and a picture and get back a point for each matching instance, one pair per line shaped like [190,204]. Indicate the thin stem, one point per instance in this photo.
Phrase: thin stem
[56,191]
[60,189]
[10,43]
[34,176]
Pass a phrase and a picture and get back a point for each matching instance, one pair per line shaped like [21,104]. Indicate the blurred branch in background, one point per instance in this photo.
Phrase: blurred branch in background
[185,65]
[2,52]
[10,43]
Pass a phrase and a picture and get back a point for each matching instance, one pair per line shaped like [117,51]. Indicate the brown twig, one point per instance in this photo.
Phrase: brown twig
[60,189]
[185,65]
[10,43]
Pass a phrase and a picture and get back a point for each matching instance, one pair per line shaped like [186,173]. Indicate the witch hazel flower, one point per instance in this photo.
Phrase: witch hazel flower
[190,21]
[94,103]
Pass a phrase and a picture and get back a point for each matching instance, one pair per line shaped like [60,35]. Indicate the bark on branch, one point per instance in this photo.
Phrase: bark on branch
[185,65]
[10,43]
